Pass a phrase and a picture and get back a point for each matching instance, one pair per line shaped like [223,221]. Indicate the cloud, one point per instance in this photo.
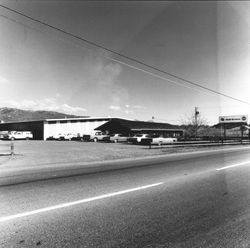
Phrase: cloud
[138,107]
[97,72]
[129,112]
[48,104]
[58,95]
[127,108]
[100,79]
[3,80]
[70,109]
[113,107]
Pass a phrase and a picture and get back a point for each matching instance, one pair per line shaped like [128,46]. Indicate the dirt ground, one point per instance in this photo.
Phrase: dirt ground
[38,153]
[46,153]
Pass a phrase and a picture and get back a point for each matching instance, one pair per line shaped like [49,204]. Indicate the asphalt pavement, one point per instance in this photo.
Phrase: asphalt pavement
[198,200]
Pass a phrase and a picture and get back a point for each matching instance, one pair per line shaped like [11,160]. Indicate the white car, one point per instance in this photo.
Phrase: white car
[118,138]
[158,140]
[62,136]
[138,137]
[69,136]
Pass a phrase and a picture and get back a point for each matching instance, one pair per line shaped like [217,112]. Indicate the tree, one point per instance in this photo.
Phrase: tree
[193,123]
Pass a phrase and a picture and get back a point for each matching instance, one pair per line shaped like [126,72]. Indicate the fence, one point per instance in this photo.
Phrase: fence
[8,151]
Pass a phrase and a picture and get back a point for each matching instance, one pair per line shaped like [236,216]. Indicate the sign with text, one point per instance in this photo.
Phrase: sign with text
[233,119]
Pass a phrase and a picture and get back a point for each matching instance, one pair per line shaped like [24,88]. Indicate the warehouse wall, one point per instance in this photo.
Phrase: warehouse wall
[81,127]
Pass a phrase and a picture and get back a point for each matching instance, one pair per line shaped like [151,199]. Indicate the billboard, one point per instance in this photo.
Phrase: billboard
[233,119]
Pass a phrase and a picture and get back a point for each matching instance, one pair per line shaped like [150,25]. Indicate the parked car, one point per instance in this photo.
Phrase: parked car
[86,137]
[137,138]
[63,136]
[158,140]
[18,135]
[161,140]
[69,136]
[98,136]
[59,136]
[118,138]
[77,137]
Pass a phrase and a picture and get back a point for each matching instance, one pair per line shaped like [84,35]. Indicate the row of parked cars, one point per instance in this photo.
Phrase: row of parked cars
[96,136]
[144,139]
[154,139]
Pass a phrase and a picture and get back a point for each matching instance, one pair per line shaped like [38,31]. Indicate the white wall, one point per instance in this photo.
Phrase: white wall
[86,127]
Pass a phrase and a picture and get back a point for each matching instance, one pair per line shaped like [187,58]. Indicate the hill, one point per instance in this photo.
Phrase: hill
[13,114]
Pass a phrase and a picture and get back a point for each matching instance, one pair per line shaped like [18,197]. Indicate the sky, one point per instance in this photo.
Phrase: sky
[205,42]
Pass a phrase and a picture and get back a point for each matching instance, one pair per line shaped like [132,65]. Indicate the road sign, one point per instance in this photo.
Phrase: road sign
[233,119]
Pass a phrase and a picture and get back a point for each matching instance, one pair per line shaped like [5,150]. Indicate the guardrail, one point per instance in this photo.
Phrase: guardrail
[9,151]
[202,143]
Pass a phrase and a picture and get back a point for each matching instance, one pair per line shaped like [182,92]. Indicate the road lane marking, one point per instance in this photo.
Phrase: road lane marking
[233,165]
[69,204]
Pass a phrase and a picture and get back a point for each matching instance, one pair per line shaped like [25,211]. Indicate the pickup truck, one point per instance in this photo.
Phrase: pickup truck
[98,136]
[18,135]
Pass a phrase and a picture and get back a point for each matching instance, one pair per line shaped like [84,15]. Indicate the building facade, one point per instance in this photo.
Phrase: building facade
[45,129]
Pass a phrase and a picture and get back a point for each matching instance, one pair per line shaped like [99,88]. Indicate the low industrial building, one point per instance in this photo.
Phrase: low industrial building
[130,128]
[44,129]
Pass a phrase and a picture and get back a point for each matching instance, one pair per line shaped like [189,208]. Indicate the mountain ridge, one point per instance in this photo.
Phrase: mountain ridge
[15,115]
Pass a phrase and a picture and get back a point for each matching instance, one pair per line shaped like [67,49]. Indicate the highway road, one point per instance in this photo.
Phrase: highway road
[201,200]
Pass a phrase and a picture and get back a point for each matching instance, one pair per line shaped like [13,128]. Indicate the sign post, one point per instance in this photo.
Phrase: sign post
[233,119]
[240,119]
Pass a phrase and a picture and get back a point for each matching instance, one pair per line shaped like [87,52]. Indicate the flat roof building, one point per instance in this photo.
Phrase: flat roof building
[44,129]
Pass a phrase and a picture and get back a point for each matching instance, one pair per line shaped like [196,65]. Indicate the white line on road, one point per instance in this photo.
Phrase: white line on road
[69,204]
[233,165]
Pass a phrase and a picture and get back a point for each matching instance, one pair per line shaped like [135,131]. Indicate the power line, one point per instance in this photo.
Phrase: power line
[128,58]
[113,59]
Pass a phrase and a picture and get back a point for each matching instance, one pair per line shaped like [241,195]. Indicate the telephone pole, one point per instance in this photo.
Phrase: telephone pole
[196,113]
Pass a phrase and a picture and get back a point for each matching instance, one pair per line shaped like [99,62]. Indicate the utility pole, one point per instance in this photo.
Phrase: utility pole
[196,113]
